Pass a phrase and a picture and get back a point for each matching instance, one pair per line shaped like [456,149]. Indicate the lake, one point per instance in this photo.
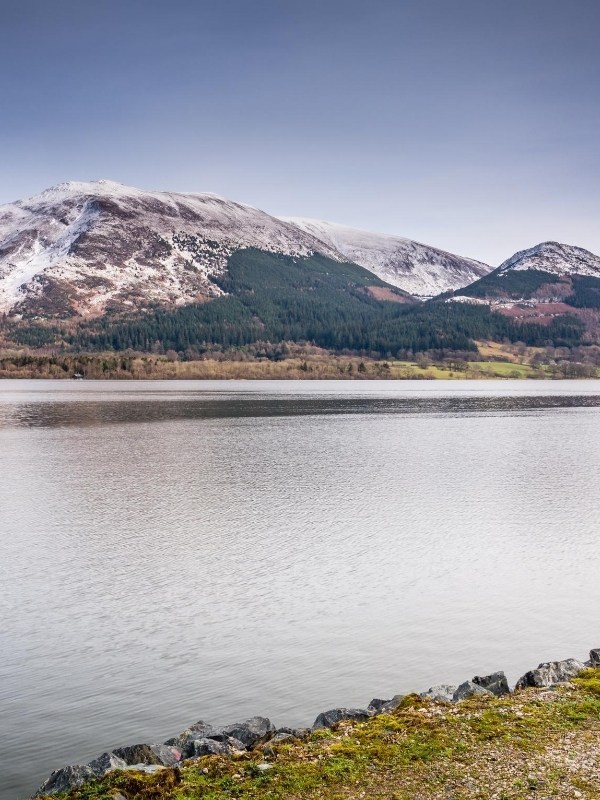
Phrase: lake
[173,551]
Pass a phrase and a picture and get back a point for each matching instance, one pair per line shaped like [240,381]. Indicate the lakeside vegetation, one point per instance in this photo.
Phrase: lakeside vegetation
[291,362]
[534,743]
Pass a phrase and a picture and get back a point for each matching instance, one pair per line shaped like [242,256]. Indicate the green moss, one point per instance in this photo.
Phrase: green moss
[589,681]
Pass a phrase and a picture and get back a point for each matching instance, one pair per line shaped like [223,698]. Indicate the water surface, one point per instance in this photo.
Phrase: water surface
[181,550]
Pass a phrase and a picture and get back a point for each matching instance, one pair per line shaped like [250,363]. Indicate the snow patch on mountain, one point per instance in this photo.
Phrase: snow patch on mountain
[34,255]
[417,268]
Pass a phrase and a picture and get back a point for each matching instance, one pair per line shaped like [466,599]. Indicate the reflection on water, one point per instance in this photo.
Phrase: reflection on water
[174,552]
[146,406]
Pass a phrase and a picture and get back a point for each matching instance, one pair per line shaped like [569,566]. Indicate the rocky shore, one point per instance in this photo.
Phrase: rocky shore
[259,735]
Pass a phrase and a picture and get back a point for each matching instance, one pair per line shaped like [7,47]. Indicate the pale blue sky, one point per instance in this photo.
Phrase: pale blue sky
[467,124]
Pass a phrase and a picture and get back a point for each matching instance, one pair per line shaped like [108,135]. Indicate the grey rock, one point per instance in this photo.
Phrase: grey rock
[550,673]
[61,780]
[161,754]
[199,730]
[264,767]
[328,718]
[297,733]
[376,705]
[205,747]
[235,745]
[105,763]
[595,657]
[169,756]
[495,683]
[469,689]
[392,704]
[444,691]
[251,732]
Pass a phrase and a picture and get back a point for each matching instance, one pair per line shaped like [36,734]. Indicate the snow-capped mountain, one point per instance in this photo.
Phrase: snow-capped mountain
[548,271]
[417,268]
[86,246]
[83,247]
[554,258]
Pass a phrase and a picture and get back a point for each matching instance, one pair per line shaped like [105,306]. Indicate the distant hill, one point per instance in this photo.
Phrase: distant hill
[548,272]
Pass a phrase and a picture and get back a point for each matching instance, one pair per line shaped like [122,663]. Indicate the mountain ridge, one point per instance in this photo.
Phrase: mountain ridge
[81,248]
[420,269]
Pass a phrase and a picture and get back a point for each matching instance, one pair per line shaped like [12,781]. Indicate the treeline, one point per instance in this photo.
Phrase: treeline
[274,298]
[515,283]
[586,292]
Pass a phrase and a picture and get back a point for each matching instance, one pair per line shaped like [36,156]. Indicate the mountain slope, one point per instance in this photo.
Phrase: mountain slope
[81,249]
[416,268]
[547,272]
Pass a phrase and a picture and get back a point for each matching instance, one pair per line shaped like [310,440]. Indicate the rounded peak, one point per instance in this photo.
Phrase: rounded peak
[554,257]
[69,189]
[552,246]
[76,186]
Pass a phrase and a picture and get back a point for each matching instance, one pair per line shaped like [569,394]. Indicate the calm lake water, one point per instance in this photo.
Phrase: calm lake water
[174,551]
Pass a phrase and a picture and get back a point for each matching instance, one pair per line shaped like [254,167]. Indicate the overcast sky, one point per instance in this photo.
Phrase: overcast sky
[473,125]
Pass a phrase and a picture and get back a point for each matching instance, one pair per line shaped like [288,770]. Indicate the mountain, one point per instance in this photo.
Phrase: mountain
[81,249]
[547,273]
[103,267]
[84,247]
[416,268]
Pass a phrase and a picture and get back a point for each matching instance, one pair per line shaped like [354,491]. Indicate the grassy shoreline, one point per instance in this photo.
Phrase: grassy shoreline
[535,743]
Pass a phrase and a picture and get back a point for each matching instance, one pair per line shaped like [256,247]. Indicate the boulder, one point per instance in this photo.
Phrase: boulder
[251,732]
[495,683]
[106,763]
[206,747]
[297,733]
[376,705]
[61,780]
[328,718]
[199,730]
[392,704]
[550,673]
[444,691]
[595,657]
[161,754]
[469,689]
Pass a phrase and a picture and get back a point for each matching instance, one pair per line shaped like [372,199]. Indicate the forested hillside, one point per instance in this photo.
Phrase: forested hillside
[276,298]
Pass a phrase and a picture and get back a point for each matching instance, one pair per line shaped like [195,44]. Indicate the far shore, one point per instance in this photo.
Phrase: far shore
[320,366]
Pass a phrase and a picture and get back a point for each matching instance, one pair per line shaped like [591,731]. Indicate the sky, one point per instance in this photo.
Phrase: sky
[471,125]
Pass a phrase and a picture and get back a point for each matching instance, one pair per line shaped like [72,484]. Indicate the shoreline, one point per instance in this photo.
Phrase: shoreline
[257,736]
[492,361]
